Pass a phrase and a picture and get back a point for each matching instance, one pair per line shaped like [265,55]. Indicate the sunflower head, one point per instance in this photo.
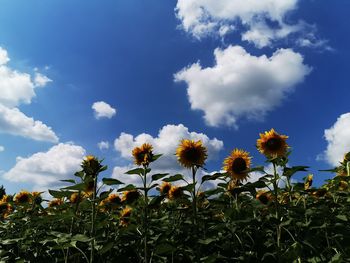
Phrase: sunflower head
[6,198]
[175,192]
[22,197]
[272,144]
[191,153]
[113,199]
[5,209]
[164,188]
[237,164]
[130,196]
[308,181]
[343,185]
[36,197]
[74,198]
[91,165]
[347,157]
[264,197]
[320,192]
[125,216]
[143,155]
[55,202]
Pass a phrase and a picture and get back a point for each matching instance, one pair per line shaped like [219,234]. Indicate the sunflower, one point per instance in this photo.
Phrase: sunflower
[91,165]
[264,197]
[5,209]
[164,188]
[74,198]
[55,202]
[114,199]
[237,164]
[22,197]
[36,197]
[130,196]
[347,157]
[143,155]
[272,144]
[343,185]
[6,198]
[125,216]
[308,182]
[191,153]
[174,192]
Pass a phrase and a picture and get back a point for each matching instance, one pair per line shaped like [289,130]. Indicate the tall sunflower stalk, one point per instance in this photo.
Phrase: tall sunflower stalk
[274,147]
[92,167]
[143,156]
[192,155]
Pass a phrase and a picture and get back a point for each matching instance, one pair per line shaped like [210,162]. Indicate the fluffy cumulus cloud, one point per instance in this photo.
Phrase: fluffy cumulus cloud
[103,110]
[338,139]
[44,169]
[103,145]
[165,143]
[255,18]
[2,148]
[13,121]
[19,88]
[242,85]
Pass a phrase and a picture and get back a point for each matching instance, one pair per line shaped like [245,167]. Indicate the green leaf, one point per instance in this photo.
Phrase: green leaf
[164,249]
[60,194]
[80,186]
[138,171]
[80,238]
[174,178]
[127,188]
[111,181]
[188,187]
[156,157]
[206,241]
[158,176]
[211,177]
[69,181]
[342,217]
[290,171]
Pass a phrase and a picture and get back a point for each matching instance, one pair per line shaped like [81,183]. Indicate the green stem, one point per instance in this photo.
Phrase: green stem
[194,200]
[145,215]
[278,227]
[92,252]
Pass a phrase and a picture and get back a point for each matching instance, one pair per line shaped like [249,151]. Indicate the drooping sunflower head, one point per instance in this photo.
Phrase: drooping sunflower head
[191,153]
[347,157]
[5,209]
[175,192]
[164,188]
[125,216]
[272,144]
[22,197]
[237,164]
[114,199]
[74,198]
[130,196]
[91,165]
[55,202]
[36,197]
[264,197]
[308,181]
[143,155]
[343,185]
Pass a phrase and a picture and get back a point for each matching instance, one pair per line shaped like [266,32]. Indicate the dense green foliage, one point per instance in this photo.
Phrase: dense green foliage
[233,221]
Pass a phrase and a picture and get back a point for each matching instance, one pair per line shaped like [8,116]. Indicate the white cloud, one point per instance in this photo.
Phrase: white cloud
[44,169]
[103,145]
[2,148]
[204,17]
[41,80]
[165,143]
[242,85]
[14,122]
[103,110]
[338,139]
[17,88]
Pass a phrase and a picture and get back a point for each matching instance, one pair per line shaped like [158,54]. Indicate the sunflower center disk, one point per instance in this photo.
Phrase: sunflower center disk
[239,165]
[192,155]
[274,144]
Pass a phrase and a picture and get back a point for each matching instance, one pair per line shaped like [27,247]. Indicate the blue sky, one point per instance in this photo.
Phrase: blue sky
[222,71]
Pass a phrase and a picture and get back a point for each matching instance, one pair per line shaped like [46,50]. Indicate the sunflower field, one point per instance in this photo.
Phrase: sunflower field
[170,218]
